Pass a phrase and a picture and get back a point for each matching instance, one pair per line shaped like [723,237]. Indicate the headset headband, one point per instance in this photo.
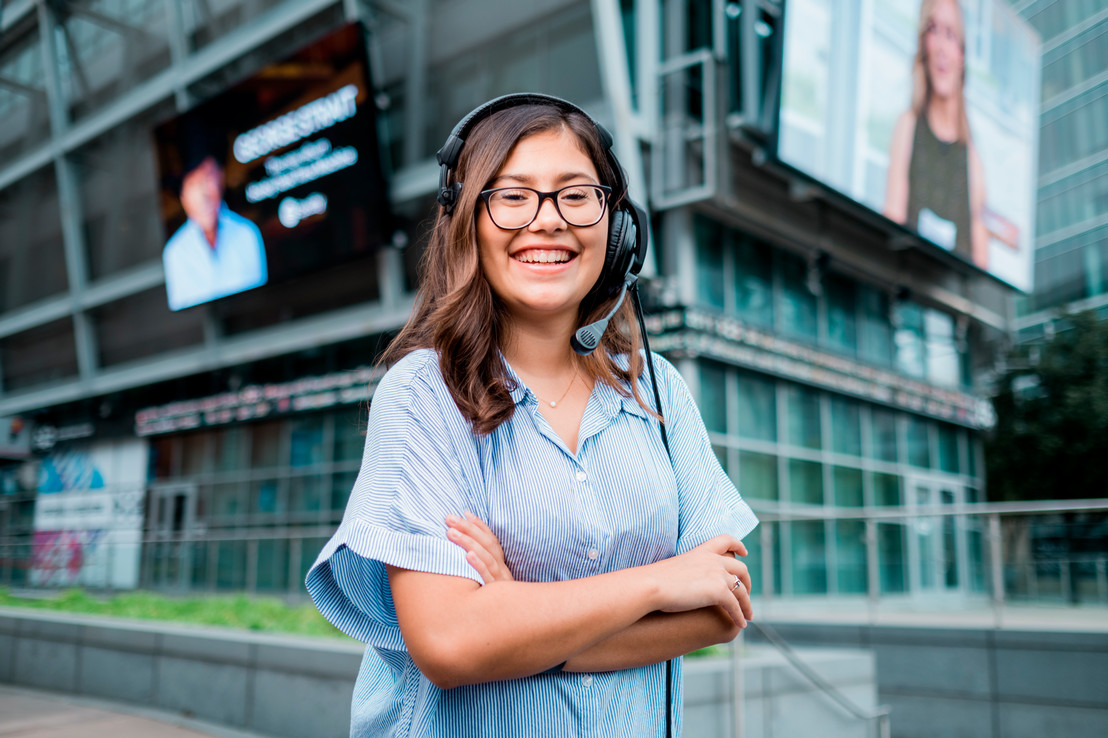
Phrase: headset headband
[448,155]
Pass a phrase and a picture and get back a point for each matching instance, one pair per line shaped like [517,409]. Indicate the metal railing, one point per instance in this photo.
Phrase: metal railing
[1001,554]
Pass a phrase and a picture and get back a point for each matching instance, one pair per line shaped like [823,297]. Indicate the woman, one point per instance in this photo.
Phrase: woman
[935,181]
[508,551]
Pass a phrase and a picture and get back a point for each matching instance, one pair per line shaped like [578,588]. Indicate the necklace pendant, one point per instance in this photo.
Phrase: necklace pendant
[553,404]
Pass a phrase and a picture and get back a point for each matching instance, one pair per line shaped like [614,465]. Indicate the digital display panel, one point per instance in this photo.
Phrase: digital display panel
[926,112]
[275,177]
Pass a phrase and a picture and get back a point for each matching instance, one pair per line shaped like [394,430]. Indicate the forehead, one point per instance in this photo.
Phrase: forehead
[947,11]
[555,152]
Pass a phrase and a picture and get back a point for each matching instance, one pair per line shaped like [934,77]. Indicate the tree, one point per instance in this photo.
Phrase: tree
[1051,435]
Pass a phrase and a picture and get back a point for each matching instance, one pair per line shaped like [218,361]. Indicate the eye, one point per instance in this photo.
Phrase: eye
[512,197]
[577,195]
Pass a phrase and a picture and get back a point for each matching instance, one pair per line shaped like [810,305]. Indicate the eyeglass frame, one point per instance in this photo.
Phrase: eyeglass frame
[543,196]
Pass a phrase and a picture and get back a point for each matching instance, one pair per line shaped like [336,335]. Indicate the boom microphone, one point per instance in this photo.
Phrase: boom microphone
[585,340]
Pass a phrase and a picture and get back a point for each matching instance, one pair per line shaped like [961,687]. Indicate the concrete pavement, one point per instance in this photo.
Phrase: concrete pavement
[33,714]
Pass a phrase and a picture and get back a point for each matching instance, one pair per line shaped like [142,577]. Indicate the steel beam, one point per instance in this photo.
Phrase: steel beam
[611,50]
[159,87]
[332,327]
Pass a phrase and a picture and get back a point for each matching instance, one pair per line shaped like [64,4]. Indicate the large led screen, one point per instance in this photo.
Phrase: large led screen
[925,112]
[273,178]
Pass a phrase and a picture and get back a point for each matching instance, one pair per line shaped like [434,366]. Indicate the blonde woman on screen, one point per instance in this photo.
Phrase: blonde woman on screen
[936,184]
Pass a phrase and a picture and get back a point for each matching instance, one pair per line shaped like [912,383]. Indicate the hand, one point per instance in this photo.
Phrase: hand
[483,551]
[706,576]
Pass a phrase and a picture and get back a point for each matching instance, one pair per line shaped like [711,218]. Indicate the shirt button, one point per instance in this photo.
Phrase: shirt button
[593,553]
[582,476]
[586,679]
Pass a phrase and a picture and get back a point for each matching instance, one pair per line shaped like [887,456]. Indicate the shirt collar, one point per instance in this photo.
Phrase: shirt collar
[519,391]
[609,398]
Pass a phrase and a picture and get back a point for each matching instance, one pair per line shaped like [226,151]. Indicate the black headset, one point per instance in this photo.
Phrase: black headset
[627,240]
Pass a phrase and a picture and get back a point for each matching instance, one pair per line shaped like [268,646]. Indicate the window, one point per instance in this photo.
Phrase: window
[757,412]
[948,448]
[758,476]
[797,303]
[892,555]
[842,329]
[809,557]
[883,425]
[141,325]
[806,482]
[713,396]
[848,486]
[875,339]
[944,360]
[709,262]
[851,573]
[23,105]
[919,442]
[32,255]
[40,355]
[804,416]
[886,490]
[117,188]
[846,426]
[306,442]
[754,281]
[910,340]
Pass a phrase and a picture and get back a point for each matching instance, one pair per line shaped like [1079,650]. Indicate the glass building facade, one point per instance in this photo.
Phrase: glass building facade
[1071,234]
[837,371]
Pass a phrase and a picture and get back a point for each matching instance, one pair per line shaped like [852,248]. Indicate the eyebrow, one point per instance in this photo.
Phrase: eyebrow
[528,179]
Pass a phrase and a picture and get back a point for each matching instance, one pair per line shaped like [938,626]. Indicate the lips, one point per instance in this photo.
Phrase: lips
[544,256]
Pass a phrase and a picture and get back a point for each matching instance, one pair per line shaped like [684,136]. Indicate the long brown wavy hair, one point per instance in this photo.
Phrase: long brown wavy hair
[921,83]
[456,312]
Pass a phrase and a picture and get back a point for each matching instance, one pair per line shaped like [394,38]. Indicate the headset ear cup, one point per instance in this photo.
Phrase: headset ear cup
[620,254]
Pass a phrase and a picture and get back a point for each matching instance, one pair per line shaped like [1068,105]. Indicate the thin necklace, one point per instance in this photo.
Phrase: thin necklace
[554,403]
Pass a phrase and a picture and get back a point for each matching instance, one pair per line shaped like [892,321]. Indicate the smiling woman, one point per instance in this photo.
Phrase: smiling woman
[522,553]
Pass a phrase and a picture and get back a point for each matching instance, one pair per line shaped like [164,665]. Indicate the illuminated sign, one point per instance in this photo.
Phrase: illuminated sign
[925,112]
[274,178]
[297,125]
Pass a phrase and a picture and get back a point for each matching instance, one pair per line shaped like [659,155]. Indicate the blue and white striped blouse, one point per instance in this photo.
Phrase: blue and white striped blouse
[617,503]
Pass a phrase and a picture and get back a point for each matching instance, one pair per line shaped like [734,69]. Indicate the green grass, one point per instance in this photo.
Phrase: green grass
[232,611]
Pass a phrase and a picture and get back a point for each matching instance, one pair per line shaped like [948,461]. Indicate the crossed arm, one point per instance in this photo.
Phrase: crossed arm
[460,632]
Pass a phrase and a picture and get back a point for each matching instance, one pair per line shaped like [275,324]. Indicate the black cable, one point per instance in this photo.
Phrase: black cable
[665,442]
[650,367]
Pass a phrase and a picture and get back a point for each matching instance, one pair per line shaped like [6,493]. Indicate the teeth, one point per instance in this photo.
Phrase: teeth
[544,257]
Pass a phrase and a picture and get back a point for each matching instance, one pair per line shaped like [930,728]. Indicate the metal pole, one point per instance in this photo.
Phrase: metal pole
[873,570]
[996,566]
[737,684]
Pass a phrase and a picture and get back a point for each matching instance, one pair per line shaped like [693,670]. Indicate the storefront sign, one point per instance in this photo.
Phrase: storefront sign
[693,332]
[260,401]
[88,516]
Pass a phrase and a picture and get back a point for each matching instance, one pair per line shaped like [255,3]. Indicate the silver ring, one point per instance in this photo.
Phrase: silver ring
[738,583]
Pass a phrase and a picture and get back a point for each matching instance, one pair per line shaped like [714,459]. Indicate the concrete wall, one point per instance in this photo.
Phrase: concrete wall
[274,685]
[290,687]
[777,700]
[979,682]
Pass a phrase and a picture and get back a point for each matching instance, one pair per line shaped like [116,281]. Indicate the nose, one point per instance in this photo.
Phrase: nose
[548,217]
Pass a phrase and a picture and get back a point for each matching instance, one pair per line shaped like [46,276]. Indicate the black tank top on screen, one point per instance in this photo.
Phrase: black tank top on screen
[938,181]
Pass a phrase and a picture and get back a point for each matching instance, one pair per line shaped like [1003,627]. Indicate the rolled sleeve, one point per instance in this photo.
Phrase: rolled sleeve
[413,475]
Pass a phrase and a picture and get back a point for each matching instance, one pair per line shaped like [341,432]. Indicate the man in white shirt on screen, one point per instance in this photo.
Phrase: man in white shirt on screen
[216,252]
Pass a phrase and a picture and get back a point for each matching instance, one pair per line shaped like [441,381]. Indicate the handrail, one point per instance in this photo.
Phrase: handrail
[880,716]
[770,510]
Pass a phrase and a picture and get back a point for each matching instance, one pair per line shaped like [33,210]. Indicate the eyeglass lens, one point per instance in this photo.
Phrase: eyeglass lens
[517,207]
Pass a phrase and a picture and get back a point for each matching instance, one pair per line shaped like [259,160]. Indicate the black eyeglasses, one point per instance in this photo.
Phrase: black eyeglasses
[513,208]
